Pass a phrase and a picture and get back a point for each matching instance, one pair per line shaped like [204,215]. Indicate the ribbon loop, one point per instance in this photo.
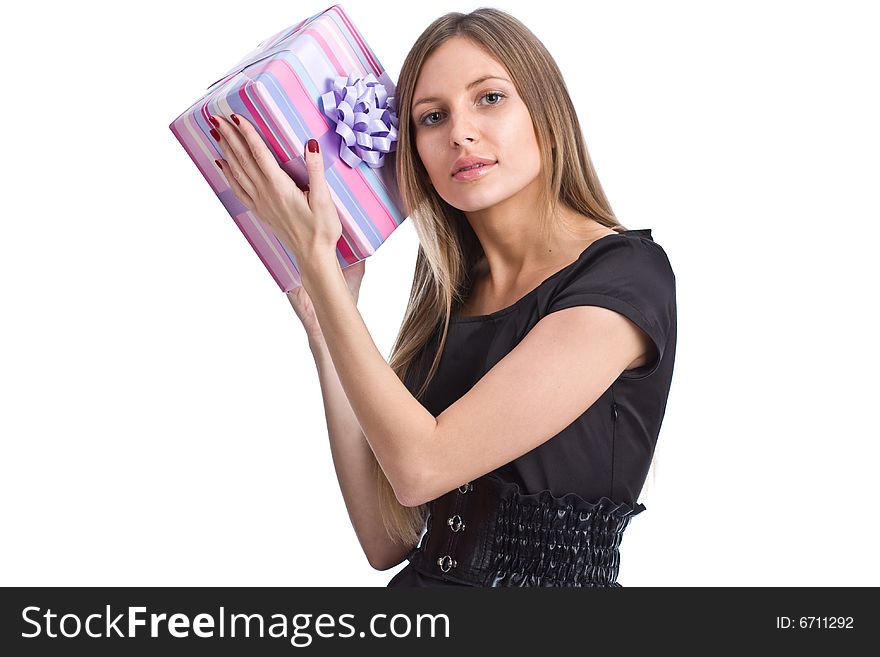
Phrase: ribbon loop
[365,117]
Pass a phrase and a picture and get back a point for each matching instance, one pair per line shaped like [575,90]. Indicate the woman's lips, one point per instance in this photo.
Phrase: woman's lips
[474,174]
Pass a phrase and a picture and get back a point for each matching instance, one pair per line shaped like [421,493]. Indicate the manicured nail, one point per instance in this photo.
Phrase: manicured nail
[214,121]
[235,118]
[217,162]
[215,134]
[313,146]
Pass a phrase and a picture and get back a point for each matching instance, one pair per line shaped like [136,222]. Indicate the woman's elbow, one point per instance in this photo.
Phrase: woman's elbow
[389,559]
[408,489]
[382,565]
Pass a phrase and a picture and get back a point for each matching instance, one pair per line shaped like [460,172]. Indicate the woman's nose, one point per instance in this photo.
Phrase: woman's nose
[462,131]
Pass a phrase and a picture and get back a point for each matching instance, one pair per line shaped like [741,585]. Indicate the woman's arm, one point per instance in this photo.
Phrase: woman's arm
[354,463]
[395,424]
[512,409]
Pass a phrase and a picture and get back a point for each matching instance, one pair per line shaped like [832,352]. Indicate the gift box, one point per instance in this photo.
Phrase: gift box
[315,80]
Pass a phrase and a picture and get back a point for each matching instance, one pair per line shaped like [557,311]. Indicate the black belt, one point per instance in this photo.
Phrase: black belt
[487,533]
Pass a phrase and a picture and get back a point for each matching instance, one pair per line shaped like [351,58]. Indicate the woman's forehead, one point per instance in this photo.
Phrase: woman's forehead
[459,54]
[452,69]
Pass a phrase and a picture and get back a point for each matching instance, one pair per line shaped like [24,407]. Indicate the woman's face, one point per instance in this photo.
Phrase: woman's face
[487,120]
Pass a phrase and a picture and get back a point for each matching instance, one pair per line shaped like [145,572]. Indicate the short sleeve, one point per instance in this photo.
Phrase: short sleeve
[630,275]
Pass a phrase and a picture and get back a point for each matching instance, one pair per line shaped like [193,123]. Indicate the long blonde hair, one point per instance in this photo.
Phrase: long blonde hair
[449,247]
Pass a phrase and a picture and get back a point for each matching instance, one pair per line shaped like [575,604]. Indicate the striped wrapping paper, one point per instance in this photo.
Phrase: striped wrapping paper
[278,88]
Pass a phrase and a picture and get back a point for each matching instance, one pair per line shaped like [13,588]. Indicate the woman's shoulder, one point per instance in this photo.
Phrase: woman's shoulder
[629,271]
[631,252]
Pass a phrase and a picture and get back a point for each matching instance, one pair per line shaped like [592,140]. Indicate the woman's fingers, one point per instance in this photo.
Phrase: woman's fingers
[239,191]
[261,175]
[262,157]
[315,167]
[236,155]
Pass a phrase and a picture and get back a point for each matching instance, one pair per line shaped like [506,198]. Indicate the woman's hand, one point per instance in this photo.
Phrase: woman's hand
[302,303]
[305,221]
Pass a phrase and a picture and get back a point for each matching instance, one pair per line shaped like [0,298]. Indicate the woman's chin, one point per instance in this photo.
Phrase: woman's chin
[473,202]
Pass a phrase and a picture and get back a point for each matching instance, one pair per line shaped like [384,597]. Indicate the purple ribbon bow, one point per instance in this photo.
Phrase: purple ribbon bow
[365,117]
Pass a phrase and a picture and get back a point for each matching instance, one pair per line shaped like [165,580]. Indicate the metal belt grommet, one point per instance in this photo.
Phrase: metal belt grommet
[446,562]
[456,523]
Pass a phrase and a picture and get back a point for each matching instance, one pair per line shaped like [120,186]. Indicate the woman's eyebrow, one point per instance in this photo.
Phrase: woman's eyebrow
[431,99]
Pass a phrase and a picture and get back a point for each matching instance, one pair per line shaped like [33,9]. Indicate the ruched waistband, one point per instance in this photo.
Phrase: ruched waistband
[487,533]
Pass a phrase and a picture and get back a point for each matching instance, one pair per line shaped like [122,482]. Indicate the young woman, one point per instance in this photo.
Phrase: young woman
[517,418]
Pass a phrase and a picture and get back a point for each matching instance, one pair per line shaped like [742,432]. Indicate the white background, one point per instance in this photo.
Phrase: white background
[161,418]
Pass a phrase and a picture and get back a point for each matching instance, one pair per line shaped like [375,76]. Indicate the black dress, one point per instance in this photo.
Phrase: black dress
[563,505]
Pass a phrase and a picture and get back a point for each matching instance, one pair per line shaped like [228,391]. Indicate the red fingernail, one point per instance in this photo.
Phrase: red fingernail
[214,121]
[313,146]
[235,118]
[217,162]
[215,134]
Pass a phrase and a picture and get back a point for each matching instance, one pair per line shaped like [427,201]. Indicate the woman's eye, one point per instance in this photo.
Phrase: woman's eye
[425,120]
[496,94]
